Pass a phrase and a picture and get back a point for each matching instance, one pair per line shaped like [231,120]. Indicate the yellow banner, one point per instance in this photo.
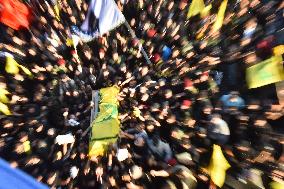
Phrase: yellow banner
[105,128]
[266,72]
[218,166]
[195,8]
[220,16]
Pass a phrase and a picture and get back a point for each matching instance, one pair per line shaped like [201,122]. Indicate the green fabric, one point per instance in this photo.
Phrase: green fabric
[266,72]
[105,127]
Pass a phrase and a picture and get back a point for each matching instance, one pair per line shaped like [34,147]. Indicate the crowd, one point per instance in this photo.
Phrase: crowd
[193,95]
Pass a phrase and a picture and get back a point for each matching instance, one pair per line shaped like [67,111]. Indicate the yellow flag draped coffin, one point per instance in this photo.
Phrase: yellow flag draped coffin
[105,128]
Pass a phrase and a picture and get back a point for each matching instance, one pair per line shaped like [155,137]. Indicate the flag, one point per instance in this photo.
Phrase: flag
[266,72]
[218,166]
[15,14]
[4,109]
[206,11]
[12,66]
[278,50]
[3,95]
[195,8]
[56,7]
[102,17]
[105,127]
[220,16]
[57,11]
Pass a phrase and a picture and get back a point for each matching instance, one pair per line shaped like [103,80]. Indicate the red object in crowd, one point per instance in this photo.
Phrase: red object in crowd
[73,52]
[15,14]
[186,103]
[135,42]
[172,162]
[151,33]
[156,58]
[101,50]
[61,62]
[205,73]
[187,83]
[266,43]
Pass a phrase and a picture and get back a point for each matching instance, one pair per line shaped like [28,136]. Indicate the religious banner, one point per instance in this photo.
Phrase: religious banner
[266,72]
[102,17]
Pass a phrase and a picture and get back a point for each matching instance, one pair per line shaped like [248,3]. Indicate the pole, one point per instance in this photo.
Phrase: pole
[135,37]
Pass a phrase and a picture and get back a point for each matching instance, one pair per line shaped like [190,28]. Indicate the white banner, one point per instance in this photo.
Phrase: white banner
[107,14]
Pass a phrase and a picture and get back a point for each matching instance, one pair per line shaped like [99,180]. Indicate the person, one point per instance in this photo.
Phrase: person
[218,130]
[232,100]
[160,149]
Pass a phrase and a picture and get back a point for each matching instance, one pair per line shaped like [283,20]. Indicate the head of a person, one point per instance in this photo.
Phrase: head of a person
[168,93]
[182,4]
[144,71]
[139,142]
[253,104]
[145,97]
[156,140]
[162,82]
[202,133]
[150,128]
[140,126]
[123,68]
[135,172]
[51,178]
[234,95]
[155,107]
[215,118]
[260,121]
[186,104]
[171,118]
[102,53]
[207,110]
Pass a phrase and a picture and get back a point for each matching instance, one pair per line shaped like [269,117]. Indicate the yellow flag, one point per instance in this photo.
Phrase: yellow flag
[105,127]
[220,16]
[206,11]
[218,166]
[69,42]
[278,50]
[266,72]
[57,12]
[4,109]
[136,112]
[11,65]
[27,146]
[276,185]
[26,70]
[3,97]
[195,8]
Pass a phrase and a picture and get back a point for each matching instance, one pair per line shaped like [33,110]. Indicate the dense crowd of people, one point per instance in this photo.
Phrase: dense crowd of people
[192,95]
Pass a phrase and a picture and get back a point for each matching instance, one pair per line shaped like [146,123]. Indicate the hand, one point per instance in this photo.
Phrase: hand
[130,185]
[112,181]
[99,173]
[65,114]
[92,104]
[153,173]
[104,66]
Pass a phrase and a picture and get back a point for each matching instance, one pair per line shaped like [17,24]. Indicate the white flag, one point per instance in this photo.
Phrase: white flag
[102,17]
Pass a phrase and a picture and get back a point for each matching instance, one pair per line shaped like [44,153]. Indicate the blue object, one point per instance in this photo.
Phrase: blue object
[11,178]
[166,53]
[239,103]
